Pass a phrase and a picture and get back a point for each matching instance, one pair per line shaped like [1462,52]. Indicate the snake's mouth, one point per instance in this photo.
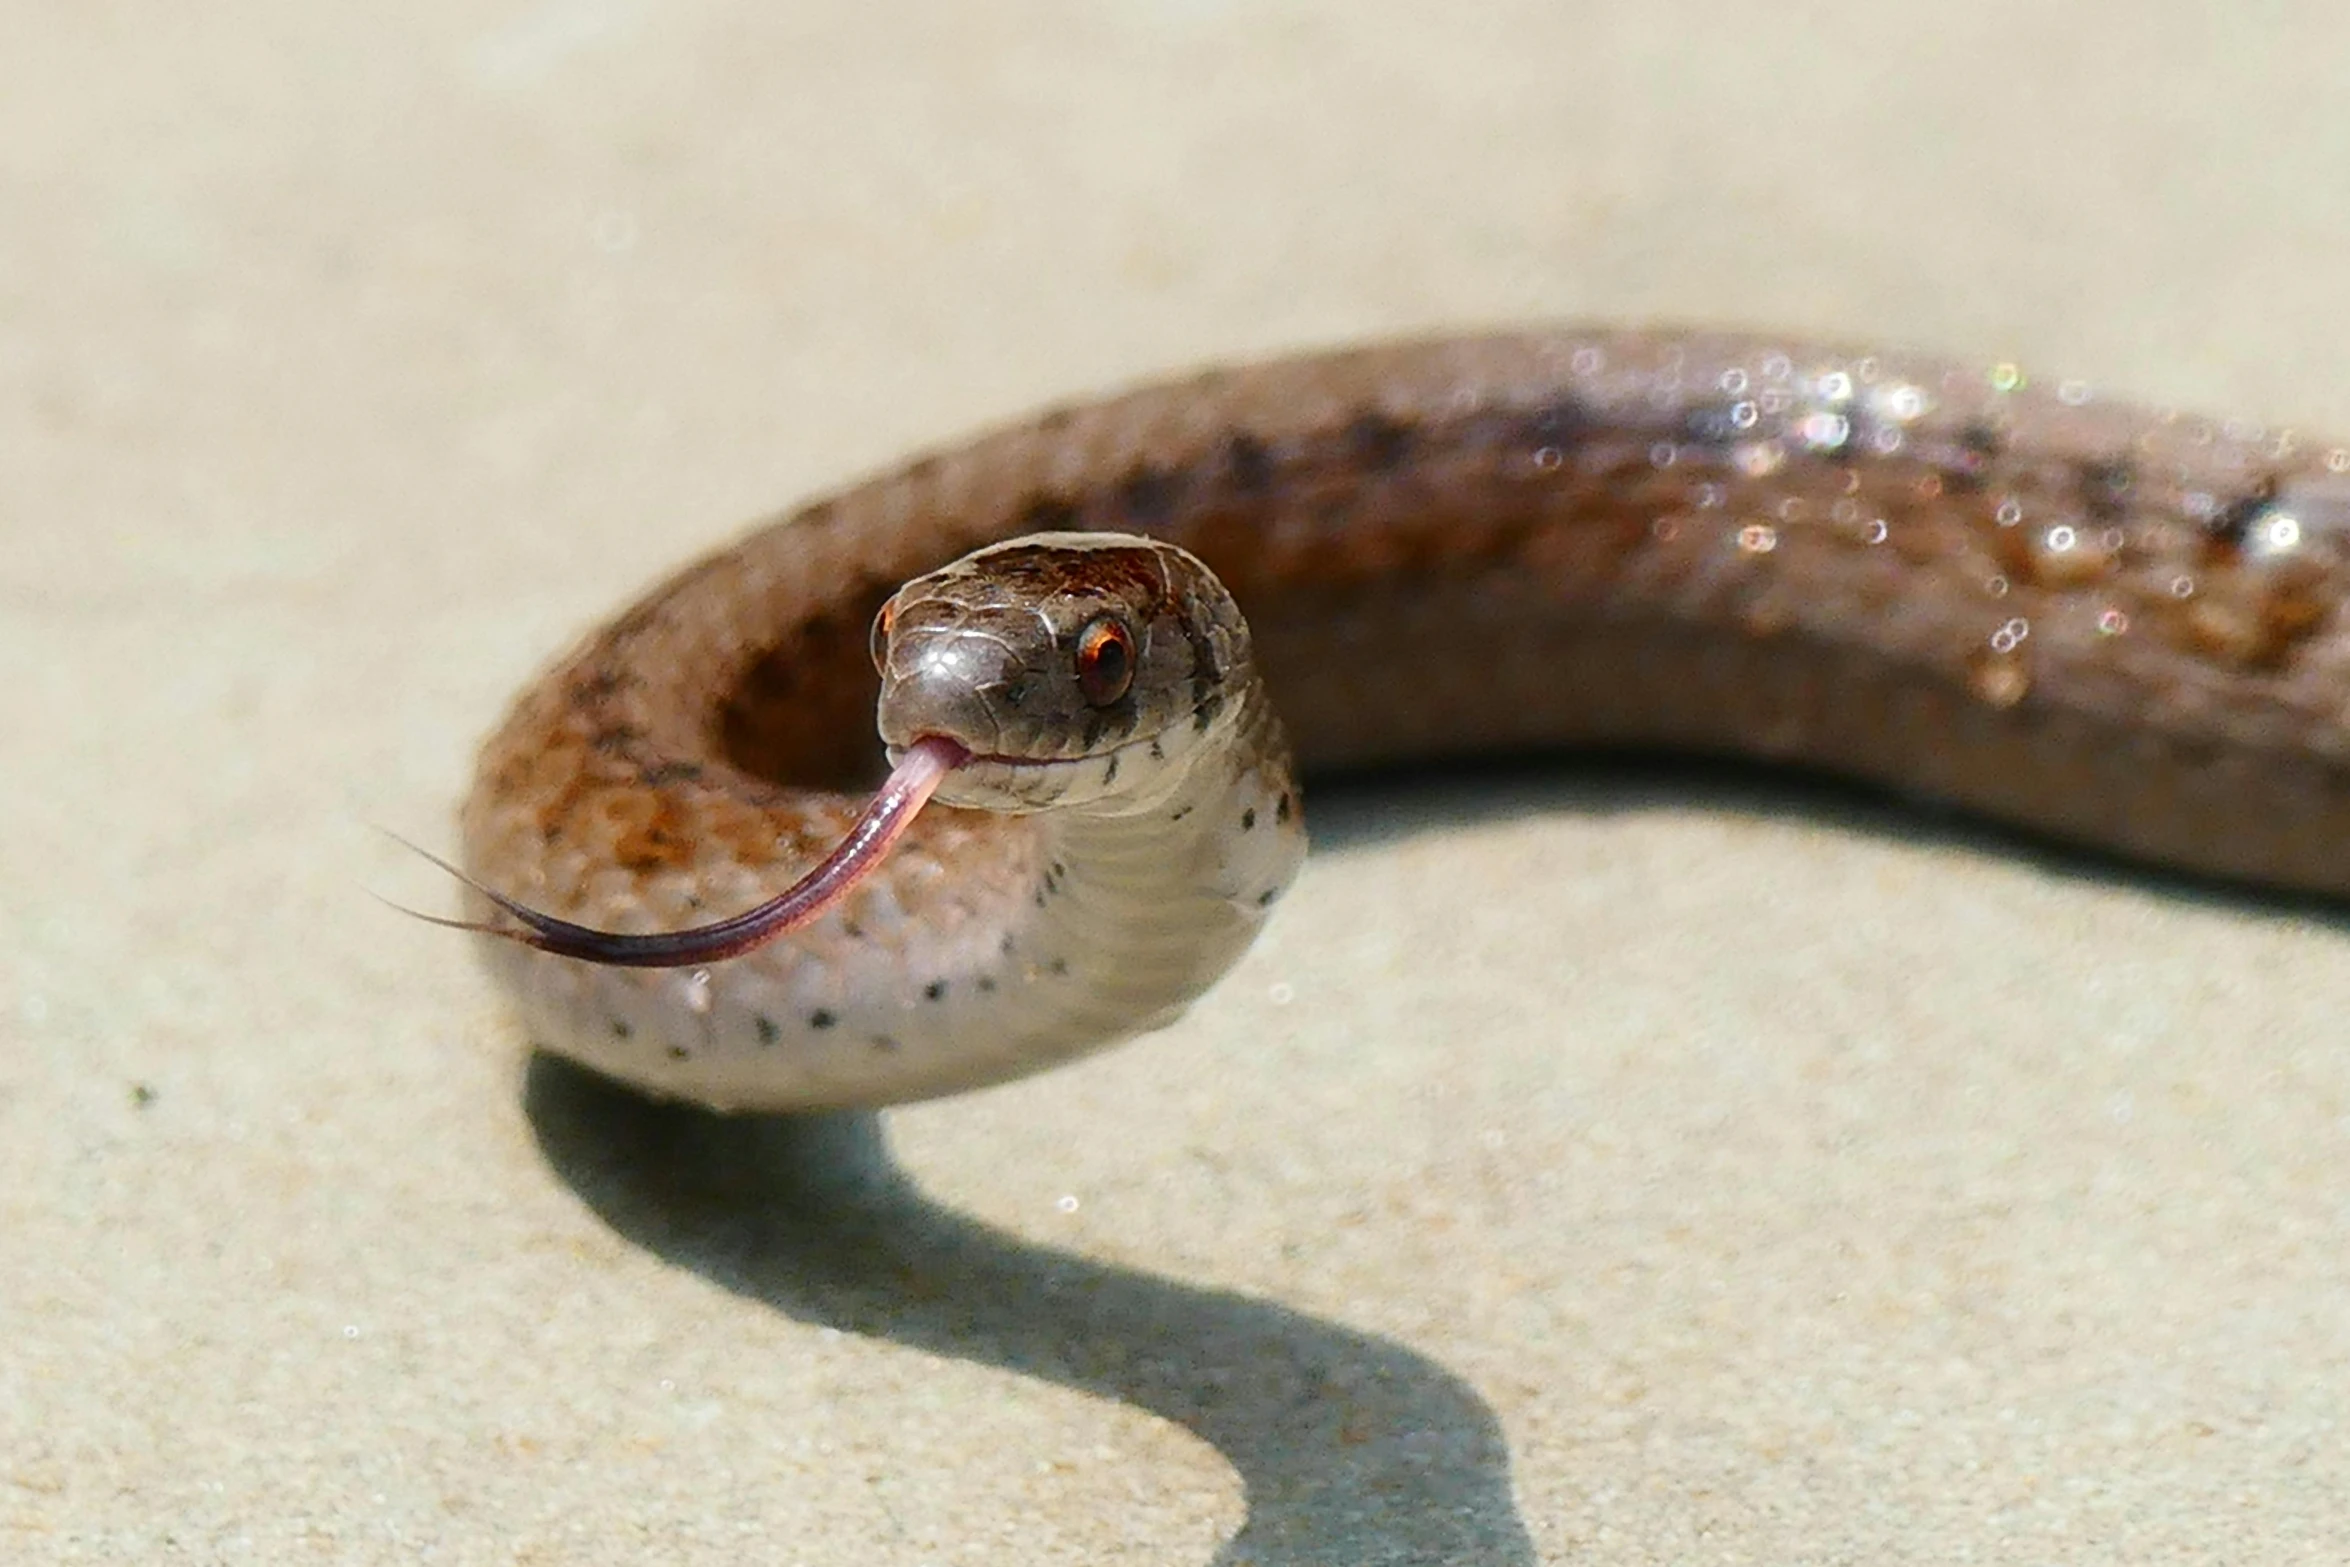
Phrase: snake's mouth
[970,758]
[997,759]
[992,780]
[1004,764]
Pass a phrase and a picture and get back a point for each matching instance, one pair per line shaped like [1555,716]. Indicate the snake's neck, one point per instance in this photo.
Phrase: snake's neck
[1142,906]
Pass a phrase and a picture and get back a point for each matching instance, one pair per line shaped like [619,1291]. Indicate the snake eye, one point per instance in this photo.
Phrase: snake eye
[1105,660]
[882,623]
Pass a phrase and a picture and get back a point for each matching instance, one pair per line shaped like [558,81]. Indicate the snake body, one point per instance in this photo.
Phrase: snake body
[2117,626]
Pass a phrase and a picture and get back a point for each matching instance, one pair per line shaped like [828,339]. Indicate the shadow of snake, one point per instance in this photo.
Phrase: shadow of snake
[1350,1447]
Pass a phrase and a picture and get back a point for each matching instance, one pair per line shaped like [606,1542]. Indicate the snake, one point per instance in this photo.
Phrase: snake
[991,760]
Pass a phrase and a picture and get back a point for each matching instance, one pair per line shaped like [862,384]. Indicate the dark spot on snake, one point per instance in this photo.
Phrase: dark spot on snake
[1047,513]
[987,984]
[1110,773]
[922,468]
[1248,462]
[1265,898]
[619,737]
[2105,486]
[935,990]
[1563,421]
[660,773]
[598,684]
[1207,659]
[769,1033]
[621,1030]
[1054,420]
[678,1052]
[1057,870]
[1710,425]
[1207,713]
[822,1017]
[1282,809]
[1158,752]
[1097,724]
[1979,445]
[884,1044]
[1148,494]
[1248,820]
[2231,522]
[1180,813]
[852,929]
[144,1094]
[1040,897]
[1059,965]
[1377,441]
[1005,947]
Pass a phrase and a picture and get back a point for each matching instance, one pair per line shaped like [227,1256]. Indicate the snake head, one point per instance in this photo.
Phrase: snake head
[1076,668]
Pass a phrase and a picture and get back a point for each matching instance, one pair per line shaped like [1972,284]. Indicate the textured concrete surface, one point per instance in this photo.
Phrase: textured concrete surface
[1593,1165]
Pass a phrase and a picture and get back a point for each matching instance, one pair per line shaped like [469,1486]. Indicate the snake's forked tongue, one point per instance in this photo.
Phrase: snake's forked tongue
[884,820]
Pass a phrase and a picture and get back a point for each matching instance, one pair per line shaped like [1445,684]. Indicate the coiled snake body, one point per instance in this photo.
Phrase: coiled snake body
[2116,626]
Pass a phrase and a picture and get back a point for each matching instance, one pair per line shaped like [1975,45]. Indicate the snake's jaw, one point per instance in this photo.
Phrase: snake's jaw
[1125,780]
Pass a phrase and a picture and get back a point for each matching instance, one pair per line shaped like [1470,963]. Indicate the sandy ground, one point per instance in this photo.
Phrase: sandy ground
[1593,1165]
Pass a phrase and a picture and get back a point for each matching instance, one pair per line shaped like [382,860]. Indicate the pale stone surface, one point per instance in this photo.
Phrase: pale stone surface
[1590,1167]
